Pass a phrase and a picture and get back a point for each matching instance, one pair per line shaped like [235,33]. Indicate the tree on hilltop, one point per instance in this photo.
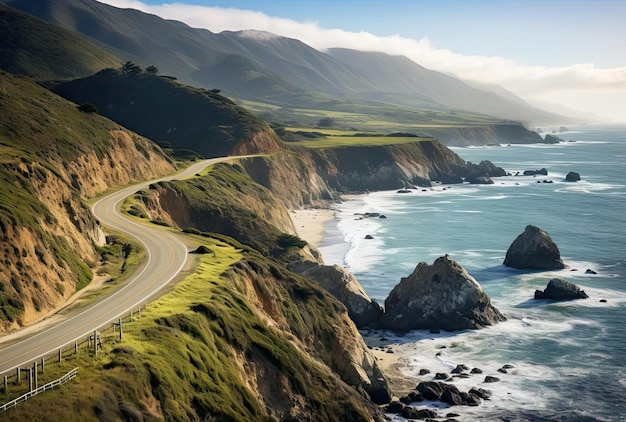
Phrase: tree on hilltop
[152,71]
[130,68]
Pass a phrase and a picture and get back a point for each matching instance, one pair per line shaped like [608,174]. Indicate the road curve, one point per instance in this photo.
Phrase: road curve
[166,255]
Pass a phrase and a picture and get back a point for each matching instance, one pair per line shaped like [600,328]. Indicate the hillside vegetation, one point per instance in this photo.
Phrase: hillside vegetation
[35,48]
[240,339]
[173,114]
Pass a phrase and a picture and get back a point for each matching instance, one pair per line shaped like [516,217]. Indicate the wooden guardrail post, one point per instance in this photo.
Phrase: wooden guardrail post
[34,375]
[6,385]
[60,355]
[43,365]
[95,342]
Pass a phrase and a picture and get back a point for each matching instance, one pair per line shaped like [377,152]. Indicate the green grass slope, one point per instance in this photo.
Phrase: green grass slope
[171,113]
[35,48]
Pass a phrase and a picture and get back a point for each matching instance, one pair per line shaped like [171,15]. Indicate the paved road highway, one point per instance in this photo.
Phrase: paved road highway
[166,255]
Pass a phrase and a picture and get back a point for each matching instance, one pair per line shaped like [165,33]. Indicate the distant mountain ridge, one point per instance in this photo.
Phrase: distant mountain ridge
[35,48]
[262,66]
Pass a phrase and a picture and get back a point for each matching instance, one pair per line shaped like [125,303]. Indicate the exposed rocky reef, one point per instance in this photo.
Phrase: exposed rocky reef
[534,249]
[559,289]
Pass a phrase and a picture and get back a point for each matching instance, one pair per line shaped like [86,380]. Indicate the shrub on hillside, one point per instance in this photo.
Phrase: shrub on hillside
[286,240]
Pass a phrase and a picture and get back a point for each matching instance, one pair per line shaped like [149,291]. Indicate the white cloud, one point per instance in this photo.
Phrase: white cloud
[581,86]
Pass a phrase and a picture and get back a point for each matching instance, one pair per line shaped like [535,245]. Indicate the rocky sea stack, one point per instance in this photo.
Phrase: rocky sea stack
[439,296]
[534,249]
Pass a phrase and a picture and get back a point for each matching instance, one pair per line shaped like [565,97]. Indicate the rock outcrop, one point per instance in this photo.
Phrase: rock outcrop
[552,139]
[346,288]
[439,296]
[572,176]
[534,249]
[559,289]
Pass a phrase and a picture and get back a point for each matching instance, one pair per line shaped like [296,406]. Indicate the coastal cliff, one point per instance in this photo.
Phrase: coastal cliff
[494,134]
[53,158]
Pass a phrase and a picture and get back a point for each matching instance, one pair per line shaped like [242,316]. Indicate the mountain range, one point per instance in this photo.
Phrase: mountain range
[260,66]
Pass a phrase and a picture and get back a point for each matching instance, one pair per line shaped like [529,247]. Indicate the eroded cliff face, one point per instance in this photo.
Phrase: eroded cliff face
[309,177]
[53,158]
[49,252]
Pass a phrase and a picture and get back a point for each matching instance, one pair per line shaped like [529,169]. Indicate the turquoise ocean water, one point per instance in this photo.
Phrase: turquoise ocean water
[569,358]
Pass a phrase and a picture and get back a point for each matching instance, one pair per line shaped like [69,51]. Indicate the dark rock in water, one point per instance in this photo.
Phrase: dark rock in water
[441,376]
[481,392]
[347,289]
[395,406]
[490,169]
[424,371]
[440,296]
[449,393]
[476,371]
[603,300]
[572,176]
[559,289]
[480,180]
[534,249]
[430,390]
[416,396]
[369,236]
[412,413]
[452,396]
[491,379]
[542,172]
[403,191]
[590,271]
[382,216]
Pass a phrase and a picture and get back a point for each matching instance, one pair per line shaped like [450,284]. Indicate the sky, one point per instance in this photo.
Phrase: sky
[567,52]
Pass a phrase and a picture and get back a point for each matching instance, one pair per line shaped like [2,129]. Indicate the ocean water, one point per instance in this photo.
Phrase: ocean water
[568,358]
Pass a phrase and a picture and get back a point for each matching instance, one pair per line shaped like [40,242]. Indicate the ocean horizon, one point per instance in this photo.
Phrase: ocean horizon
[567,359]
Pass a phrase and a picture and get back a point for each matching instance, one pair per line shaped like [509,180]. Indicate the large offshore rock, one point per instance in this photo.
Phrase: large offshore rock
[534,249]
[439,296]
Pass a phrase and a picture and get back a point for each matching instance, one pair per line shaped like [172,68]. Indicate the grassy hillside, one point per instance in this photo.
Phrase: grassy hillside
[52,156]
[171,113]
[35,48]
[239,339]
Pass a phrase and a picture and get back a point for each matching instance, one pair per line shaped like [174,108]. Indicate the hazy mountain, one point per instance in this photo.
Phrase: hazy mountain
[259,65]
[397,78]
[32,47]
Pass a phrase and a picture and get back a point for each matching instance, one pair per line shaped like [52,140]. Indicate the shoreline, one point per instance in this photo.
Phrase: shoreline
[310,225]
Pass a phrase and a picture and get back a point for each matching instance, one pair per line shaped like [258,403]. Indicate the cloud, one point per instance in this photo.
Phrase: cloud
[576,84]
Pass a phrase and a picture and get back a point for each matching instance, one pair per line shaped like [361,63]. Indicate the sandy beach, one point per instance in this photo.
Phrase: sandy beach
[309,223]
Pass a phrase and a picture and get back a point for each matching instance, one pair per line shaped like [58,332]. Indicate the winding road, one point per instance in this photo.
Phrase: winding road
[166,255]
